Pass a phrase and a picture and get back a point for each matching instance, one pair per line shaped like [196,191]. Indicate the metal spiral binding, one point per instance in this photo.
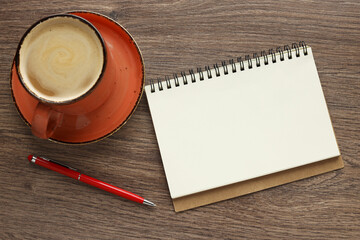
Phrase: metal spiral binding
[297,50]
[247,57]
[241,62]
[193,79]
[217,71]
[273,56]
[223,63]
[176,79]
[168,84]
[279,50]
[264,55]
[201,75]
[257,59]
[233,66]
[286,50]
[208,70]
[160,84]
[183,75]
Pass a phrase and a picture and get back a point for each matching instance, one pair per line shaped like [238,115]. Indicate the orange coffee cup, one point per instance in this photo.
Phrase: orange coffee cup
[63,62]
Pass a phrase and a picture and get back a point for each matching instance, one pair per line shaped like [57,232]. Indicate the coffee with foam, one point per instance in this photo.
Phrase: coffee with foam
[61,59]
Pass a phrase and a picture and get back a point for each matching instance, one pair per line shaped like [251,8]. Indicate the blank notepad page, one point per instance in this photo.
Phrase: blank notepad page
[240,125]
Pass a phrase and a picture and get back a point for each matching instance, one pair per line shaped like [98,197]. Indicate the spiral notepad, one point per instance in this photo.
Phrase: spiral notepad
[241,121]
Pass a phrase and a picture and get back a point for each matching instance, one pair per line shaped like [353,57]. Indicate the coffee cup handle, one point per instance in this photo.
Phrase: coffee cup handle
[45,121]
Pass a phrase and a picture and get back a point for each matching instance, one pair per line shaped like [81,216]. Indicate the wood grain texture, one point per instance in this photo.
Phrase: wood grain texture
[175,36]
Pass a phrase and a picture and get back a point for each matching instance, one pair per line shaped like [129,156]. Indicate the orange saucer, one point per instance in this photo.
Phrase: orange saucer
[121,104]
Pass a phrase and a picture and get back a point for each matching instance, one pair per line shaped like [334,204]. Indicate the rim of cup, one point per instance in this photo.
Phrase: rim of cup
[17,59]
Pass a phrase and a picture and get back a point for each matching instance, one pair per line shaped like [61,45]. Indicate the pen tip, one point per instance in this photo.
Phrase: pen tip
[147,202]
[30,157]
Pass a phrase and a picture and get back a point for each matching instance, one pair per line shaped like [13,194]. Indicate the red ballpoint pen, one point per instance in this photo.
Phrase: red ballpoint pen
[73,173]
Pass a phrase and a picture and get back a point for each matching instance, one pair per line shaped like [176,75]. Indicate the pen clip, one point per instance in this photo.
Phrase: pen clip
[61,164]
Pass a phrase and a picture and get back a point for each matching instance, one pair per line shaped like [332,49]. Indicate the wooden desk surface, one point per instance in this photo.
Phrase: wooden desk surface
[175,36]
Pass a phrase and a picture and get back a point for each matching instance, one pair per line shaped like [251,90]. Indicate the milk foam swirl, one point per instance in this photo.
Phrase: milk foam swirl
[61,59]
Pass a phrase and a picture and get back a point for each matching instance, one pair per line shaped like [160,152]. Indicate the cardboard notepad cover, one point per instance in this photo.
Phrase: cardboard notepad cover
[256,184]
